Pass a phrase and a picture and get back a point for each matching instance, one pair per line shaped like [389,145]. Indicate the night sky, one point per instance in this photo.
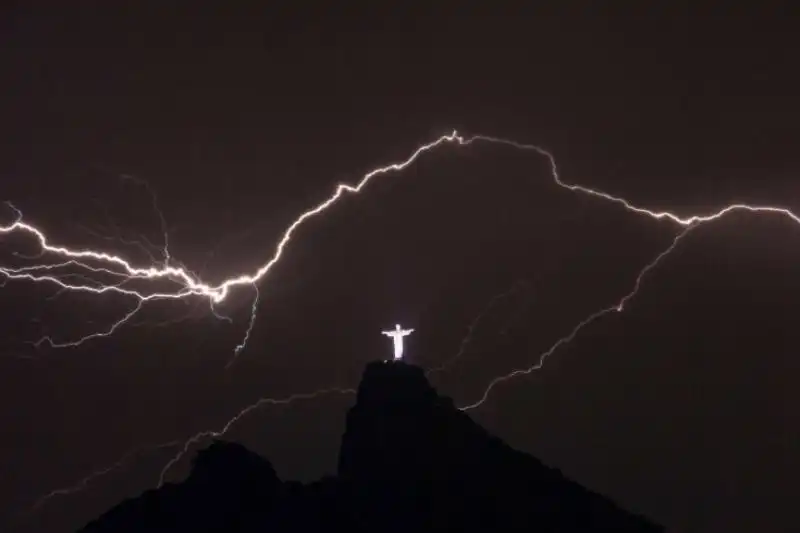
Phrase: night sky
[685,407]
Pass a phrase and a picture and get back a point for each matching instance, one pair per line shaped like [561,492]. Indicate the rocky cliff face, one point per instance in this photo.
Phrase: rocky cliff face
[409,461]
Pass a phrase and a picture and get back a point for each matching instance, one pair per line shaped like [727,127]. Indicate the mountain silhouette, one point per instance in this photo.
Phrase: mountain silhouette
[409,462]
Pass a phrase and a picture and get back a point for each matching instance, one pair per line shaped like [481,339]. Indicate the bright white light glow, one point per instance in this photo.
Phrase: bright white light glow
[397,335]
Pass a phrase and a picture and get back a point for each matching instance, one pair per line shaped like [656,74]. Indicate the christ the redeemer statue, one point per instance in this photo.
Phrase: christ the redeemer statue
[397,335]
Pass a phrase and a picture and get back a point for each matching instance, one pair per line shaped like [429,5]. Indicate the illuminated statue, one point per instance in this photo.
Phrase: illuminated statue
[397,335]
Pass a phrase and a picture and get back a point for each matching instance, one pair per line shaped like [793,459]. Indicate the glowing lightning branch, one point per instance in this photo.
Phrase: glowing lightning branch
[253,310]
[516,287]
[185,445]
[658,215]
[188,284]
[191,285]
[173,281]
[224,429]
[83,483]
[618,307]
[144,245]
[114,327]
[161,219]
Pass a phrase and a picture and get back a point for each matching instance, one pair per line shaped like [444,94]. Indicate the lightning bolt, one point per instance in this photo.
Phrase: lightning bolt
[187,284]
[516,287]
[185,445]
[618,307]
[227,426]
[190,285]
[170,280]
[159,213]
[241,345]
[114,327]
[83,483]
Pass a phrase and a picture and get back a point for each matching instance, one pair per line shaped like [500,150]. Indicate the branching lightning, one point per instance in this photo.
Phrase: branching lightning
[83,483]
[89,271]
[225,428]
[617,307]
[241,345]
[465,341]
[187,284]
[185,445]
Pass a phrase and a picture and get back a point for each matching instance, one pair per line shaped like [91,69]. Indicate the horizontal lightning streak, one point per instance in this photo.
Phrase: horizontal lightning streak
[190,284]
[145,246]
[73,263]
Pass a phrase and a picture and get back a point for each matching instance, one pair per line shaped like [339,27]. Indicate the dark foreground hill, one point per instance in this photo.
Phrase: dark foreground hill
[409,462]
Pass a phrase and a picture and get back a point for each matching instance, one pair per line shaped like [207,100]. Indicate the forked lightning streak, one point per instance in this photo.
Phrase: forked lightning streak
[617,307]
[187,284]
[183,283]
